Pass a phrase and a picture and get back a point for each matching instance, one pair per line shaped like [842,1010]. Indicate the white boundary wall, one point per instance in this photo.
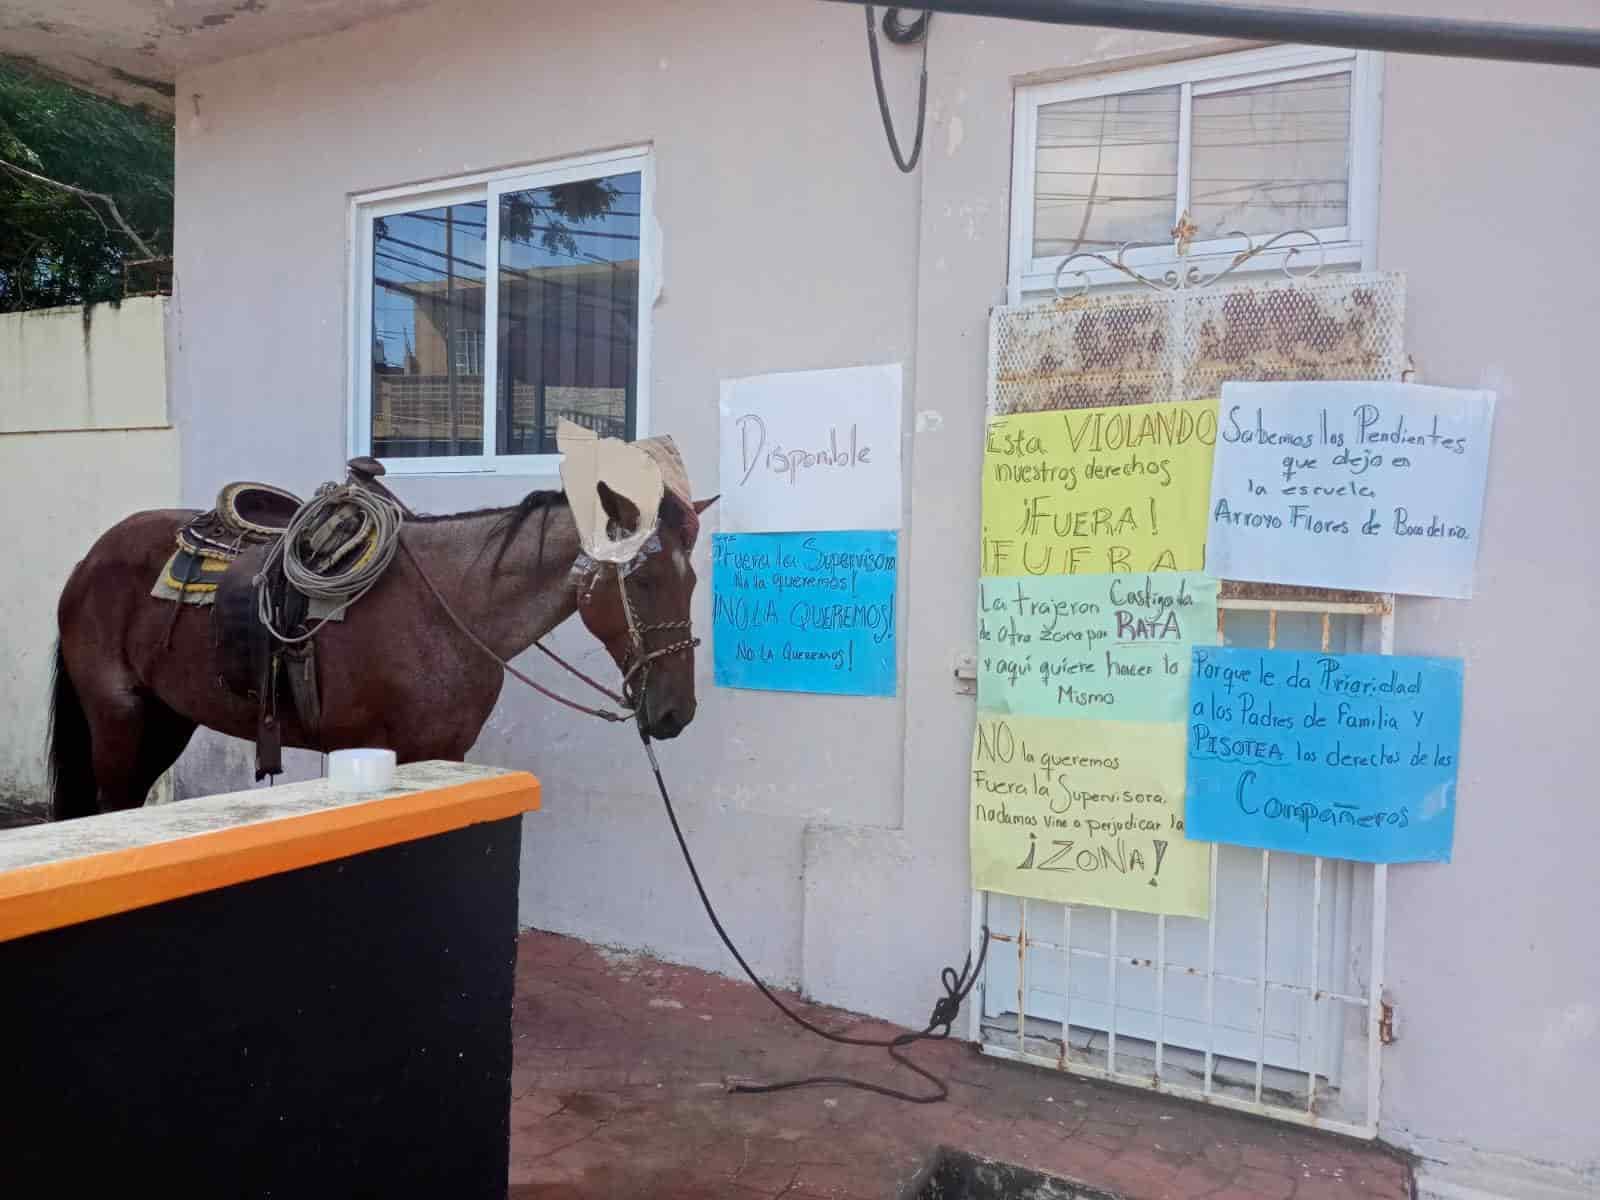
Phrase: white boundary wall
[85,440]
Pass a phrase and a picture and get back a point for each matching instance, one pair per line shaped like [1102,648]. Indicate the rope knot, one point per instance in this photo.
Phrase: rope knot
[945,1011]
[957,987]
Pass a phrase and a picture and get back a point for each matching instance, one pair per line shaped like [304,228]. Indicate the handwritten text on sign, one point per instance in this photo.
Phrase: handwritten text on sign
[1113,647]
[1338,755]
[1096,491]
[805,612]
[811,450]
[1371,486]
[1085,812]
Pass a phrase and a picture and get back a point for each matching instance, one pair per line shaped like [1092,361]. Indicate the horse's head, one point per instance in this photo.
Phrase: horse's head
[640,609]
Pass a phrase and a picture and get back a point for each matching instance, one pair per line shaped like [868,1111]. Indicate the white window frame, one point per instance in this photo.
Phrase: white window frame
[489,186]
[1351,245]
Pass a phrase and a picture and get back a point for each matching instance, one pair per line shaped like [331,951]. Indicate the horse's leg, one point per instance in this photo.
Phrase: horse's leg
[116,713]
[135,737]
[166,733]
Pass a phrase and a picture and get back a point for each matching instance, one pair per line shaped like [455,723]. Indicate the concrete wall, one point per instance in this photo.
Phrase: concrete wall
[833,832]
[96,367]
[84,441]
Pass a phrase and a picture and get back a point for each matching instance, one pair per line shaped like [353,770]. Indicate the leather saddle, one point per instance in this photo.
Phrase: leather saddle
[242,530]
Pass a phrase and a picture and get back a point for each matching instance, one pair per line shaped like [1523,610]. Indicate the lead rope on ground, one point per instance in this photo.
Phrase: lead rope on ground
[957,986]
[945,1010]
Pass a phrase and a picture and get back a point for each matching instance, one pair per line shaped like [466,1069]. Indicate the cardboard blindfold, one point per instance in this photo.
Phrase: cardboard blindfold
[639,472]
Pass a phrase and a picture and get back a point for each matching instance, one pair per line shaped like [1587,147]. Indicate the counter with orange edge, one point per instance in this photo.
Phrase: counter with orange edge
[287,991]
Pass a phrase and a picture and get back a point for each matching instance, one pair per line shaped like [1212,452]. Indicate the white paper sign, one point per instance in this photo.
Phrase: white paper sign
[1369,486]
[811,450]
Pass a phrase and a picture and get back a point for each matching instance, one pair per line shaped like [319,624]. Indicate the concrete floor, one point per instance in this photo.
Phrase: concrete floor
[618,1092]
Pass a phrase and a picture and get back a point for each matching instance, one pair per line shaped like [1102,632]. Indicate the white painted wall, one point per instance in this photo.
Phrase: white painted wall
[833,831]
[101,366]
[84,441]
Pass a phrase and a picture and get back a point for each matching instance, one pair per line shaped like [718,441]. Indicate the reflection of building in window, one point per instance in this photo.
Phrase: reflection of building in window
[566,337]
[469,352]
[432,403]
[427,381]
[567,349]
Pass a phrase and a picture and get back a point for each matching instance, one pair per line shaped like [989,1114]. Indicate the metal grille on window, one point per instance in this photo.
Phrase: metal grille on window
[1274,1003]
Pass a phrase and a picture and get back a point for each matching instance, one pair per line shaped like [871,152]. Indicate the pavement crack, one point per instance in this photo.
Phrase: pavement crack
[577,1141]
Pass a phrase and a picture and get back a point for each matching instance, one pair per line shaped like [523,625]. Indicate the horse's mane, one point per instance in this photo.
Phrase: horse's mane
[509,520]
[518,511]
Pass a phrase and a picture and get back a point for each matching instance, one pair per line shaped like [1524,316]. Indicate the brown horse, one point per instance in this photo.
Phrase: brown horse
[397,672]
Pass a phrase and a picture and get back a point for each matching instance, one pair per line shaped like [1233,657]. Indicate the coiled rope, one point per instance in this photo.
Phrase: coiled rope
[379,530]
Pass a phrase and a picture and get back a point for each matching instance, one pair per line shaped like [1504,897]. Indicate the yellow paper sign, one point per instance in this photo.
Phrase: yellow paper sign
[1095,491]
[1085,812]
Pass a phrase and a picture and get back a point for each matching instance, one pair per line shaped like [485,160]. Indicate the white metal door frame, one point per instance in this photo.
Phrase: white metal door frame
[1259,1099]
[1102,349]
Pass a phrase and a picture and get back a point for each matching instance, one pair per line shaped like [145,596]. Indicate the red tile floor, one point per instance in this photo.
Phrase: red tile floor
[618,1092]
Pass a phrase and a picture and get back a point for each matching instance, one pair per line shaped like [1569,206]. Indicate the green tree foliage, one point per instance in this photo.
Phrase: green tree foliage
[57,247]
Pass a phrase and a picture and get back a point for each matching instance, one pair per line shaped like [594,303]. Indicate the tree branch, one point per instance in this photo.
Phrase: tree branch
[17,270]
[85,194]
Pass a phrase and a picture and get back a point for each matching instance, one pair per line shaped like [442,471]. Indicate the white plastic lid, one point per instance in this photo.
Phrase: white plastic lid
[361,770]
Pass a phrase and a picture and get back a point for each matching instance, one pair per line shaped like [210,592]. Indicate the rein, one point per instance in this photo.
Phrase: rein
[603,714]
[957,985]
[639,656]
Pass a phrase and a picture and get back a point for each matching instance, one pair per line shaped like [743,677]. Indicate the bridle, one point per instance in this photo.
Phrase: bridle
[638,655]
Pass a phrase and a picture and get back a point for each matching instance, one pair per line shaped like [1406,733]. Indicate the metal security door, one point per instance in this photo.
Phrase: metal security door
[1272,1004]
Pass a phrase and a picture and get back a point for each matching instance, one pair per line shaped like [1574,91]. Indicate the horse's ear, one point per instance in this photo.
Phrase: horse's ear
[620,511]
[701,505]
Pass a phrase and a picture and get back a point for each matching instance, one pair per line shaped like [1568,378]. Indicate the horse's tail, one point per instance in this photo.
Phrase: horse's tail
[73,792]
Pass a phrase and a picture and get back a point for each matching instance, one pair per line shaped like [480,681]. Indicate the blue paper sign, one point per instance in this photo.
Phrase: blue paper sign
[1092,647]
[1338,755]
[805,612]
